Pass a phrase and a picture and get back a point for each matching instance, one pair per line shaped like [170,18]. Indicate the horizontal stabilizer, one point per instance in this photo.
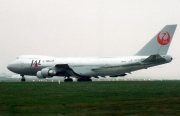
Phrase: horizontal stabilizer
[154,59]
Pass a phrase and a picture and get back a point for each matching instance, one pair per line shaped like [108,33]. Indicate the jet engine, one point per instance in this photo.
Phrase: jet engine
[39,75]
[46,73]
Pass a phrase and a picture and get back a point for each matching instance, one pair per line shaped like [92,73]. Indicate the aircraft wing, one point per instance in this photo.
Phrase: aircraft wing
[65,70]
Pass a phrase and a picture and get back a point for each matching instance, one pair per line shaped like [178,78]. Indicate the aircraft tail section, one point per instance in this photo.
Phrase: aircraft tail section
[160,43]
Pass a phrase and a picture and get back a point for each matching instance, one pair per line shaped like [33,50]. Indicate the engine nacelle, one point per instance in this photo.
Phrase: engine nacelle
[39,75]
[46,73]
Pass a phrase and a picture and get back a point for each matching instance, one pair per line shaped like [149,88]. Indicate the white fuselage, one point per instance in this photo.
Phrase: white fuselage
[31,64]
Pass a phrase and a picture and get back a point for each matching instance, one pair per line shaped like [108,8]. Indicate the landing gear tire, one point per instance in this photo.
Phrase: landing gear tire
[84,79]
[89,80]
[79,80]
[23,79]
[68,80]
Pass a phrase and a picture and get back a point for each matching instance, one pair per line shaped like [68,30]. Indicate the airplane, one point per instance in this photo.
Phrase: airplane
[152,54]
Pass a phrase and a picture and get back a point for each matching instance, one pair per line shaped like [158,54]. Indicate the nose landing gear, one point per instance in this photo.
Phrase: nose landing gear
[23,79]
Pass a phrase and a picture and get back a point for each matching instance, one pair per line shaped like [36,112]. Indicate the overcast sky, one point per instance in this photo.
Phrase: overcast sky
[87,28]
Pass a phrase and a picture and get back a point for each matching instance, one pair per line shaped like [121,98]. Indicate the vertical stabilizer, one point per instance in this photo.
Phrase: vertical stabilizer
[160,43]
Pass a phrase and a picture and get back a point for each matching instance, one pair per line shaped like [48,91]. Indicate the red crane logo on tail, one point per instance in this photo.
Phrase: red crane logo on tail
[163,38]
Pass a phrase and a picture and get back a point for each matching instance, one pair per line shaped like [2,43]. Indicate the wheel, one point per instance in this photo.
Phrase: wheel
[84,79]
[79,80]
[23,79]
[68,80]
[89,80]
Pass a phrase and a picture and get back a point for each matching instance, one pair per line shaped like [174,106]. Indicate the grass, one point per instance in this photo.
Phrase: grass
[91,98]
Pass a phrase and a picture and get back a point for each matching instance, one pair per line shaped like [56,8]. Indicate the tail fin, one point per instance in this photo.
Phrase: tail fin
[160,43]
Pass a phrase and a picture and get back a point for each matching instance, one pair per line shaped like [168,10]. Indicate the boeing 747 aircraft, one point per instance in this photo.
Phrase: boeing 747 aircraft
[152,54]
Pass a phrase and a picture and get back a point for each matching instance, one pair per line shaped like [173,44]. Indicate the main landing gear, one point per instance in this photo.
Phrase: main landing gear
[84,79]
[80,79]
[67,79]
[23,79]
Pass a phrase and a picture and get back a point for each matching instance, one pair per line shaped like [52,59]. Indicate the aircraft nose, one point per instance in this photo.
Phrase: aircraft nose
[10,66]
[13,66]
